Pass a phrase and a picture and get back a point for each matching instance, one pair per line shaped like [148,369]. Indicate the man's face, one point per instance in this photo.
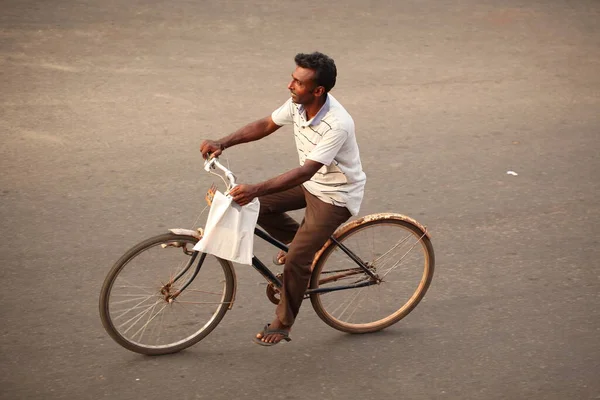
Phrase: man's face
[302,85]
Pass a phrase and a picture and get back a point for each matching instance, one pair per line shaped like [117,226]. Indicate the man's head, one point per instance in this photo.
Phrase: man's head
[314,76]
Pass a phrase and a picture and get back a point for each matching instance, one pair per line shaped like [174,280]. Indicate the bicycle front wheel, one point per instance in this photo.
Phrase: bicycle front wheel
[397,252]
[162,296]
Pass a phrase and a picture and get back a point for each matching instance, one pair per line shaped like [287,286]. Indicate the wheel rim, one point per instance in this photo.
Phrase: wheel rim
[143,307]
[397,254]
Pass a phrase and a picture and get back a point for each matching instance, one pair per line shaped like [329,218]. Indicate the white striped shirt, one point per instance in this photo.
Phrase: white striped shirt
[329,139]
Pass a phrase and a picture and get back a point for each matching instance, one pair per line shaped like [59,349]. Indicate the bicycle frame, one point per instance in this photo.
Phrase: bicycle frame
[270,277]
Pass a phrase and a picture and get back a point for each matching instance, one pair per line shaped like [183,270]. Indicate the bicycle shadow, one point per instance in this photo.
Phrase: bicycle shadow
[189,356]
[216,351]
[370,338]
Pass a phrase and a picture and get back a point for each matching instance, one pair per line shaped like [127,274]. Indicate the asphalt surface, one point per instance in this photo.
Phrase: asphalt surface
[104,105]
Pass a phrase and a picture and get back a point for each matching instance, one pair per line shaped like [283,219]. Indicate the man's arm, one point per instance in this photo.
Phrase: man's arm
[243,194]
[253,131]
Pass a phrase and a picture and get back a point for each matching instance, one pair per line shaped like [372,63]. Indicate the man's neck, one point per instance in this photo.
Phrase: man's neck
[313,108]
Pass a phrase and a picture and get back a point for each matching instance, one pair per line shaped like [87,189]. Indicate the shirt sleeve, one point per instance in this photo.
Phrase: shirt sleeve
[284,115]
[328,147]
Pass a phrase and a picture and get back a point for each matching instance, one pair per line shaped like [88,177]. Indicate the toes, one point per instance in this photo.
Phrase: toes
[271,339]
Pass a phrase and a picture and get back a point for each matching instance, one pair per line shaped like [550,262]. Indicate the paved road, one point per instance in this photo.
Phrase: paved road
[103,106]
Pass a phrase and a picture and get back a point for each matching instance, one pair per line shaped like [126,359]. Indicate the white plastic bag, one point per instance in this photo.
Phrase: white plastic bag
[229,231]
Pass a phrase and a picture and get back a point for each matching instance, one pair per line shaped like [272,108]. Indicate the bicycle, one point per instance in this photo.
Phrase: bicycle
[152,305]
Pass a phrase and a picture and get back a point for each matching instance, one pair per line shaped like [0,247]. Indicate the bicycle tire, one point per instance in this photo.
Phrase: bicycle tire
[390,317]
[220,272]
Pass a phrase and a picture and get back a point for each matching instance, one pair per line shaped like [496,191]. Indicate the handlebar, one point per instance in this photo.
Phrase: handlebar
[214,162]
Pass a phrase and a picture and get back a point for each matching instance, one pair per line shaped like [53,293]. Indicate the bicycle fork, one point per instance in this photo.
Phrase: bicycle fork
[166,289]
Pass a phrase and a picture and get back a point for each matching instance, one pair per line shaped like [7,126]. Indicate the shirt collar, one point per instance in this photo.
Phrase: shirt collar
[317,118]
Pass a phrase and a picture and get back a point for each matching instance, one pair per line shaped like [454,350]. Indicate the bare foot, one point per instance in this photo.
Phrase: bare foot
[274,337]
[280,258]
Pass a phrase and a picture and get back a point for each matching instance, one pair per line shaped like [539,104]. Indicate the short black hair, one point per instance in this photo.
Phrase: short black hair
[324,67]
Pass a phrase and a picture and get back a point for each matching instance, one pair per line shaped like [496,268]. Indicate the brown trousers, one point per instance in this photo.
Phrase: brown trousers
[320,221]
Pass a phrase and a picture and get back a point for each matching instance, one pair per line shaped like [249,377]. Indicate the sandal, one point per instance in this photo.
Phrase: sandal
[266,331]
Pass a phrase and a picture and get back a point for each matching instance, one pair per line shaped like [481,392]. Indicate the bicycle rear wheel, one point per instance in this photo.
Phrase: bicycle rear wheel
[140,304]
[397,252]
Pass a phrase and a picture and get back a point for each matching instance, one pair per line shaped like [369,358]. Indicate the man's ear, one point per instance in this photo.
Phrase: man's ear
[319,91]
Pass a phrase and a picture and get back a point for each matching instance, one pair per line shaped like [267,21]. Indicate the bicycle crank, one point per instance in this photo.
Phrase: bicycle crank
[273,293]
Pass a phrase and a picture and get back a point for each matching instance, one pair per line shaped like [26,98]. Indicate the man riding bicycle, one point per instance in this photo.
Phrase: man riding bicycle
[329,182]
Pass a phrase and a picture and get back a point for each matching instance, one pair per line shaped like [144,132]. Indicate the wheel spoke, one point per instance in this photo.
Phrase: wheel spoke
[390,250]
[135,286]
[150,319]
[136,318]
[128,310]
[126,294]
[358,305]
[202,291]
[136,298]
[350,302]
[401,258]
